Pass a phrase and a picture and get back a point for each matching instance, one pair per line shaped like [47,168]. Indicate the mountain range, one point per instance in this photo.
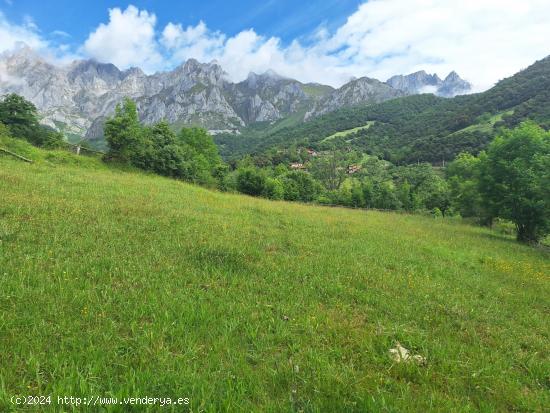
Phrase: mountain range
[76,98]
[413,128]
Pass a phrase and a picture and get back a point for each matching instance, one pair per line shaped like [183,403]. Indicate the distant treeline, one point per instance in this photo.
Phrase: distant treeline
[509,180]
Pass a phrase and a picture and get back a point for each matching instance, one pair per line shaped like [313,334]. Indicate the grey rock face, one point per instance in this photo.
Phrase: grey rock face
[422,82]
[358,91]
[415,82]
[453,85]
[267,97]
[78,97]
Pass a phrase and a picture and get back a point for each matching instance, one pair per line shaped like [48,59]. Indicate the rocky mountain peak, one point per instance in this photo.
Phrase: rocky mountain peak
[252,80]
[271,74]
[202,72]
[134,72]
[76,98]
[358,91]
[268,78]
[89,70]
[415,82]
[23,58]
[422,82]
[454,85]
[452,77]
[190,65]
[22,53]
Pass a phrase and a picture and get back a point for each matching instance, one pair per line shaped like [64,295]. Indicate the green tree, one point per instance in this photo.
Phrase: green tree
[161,135]
[463,178]
[4,130]
[191,155]
[170,160]
[514,180]
[330,170]
[21,118]
[368,193]
[421,188]
[124,133]
[438,196]
[251,181]
[300,186]
[150,153]
[384,196]
[291,190]
[274,189]
[49,138]
[405,196]
[357,195]
[200,141]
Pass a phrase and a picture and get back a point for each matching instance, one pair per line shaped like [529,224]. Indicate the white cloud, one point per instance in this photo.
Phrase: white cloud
[128,39]
[483,40]
[12,34]
[60,33]
[15,36]
[195,41]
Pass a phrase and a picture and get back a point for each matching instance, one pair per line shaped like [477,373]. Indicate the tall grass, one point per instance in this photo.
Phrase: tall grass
[124,284]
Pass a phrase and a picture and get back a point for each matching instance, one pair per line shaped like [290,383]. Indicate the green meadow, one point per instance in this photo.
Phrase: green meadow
[116,283]
[348,131]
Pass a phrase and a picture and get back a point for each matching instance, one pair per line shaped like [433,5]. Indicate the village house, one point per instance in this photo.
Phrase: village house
[353,169]
[297,166]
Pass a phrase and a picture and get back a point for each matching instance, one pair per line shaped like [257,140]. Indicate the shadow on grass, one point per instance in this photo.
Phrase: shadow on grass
[500,237]
[221,259]
[541,247]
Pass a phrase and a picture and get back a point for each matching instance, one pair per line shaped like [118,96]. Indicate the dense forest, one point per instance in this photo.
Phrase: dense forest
[509,180]
[420,128]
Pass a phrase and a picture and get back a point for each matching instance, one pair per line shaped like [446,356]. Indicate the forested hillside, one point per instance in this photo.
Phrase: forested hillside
[414,128]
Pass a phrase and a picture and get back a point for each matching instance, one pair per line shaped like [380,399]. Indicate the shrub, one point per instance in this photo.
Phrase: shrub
[251,181]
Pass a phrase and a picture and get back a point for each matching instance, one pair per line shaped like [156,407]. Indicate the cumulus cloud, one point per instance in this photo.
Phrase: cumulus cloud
[128,39]
[248,51]
[27,35]
[483,40]
[195,41]
[12,35]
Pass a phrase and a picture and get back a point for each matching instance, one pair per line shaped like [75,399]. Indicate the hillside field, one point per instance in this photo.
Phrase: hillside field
[118,283]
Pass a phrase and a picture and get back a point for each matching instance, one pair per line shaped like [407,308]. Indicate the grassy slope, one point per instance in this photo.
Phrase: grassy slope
[124,284]
[483,125]
[348,131]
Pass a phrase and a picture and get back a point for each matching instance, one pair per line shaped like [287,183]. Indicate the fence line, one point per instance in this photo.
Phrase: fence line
[16,155]
[79,148]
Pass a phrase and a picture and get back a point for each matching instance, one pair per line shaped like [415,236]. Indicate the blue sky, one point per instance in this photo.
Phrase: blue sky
[286,19]
[326,41]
